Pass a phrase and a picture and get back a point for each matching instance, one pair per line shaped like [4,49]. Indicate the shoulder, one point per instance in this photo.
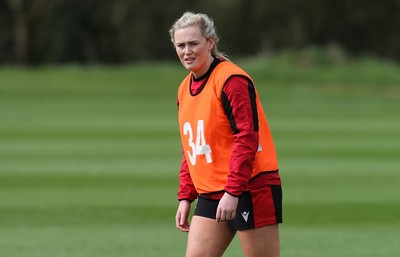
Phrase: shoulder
[228,70]
[186,80]
[184,84]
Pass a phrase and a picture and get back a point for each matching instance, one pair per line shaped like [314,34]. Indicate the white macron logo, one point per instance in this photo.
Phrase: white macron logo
[245,215]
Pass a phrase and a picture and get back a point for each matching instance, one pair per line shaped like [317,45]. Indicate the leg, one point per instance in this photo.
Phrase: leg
[207,238]
[260,242]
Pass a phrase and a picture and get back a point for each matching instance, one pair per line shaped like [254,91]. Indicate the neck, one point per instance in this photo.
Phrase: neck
[204,69]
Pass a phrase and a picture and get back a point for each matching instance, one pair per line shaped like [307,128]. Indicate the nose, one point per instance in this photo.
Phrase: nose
[188,49]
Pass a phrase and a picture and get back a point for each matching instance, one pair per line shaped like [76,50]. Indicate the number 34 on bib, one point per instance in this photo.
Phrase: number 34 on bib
[198,147]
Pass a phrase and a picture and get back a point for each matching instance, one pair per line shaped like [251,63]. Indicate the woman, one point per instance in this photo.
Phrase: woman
[229,162]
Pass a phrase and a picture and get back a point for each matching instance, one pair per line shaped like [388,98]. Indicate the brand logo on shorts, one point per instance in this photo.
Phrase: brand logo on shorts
[245,215]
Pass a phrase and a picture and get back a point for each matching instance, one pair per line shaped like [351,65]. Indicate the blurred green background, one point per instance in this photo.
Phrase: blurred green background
[90,152]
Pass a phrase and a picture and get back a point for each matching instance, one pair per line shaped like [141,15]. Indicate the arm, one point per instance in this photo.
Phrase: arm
[186,194]
[240,95]
[186,190]
[239,104]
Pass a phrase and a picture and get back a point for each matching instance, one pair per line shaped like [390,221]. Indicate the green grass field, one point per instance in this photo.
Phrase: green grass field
[89,158]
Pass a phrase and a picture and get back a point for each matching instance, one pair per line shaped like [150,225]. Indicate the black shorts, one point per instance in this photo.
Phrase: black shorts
[256,208]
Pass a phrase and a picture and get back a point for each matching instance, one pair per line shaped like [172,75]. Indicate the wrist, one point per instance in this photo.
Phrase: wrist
[234,195]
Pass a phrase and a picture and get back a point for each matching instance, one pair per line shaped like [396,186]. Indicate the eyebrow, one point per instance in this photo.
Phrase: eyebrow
[187,42]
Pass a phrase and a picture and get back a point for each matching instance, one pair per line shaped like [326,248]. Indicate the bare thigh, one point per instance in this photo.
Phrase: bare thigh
[260,242]
[207,238]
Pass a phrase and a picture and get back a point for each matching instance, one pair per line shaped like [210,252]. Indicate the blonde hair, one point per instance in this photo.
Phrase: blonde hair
[206,25]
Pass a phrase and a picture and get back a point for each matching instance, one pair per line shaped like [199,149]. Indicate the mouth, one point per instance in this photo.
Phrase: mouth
[189,60]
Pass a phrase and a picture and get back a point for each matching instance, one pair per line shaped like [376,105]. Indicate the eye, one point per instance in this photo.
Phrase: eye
[180,45]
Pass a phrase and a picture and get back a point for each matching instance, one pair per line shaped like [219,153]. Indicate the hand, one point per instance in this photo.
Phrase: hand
[226,209]
[182,216]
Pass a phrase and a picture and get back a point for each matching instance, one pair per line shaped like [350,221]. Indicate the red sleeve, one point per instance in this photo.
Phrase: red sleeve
[186,190]
[245,145]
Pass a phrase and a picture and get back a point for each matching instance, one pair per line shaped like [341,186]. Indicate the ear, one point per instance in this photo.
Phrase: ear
[211,42]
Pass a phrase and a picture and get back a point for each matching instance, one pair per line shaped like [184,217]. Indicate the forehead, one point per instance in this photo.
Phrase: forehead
[191,33]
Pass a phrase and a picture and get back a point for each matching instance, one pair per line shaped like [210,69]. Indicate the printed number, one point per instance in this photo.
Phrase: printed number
[200,147]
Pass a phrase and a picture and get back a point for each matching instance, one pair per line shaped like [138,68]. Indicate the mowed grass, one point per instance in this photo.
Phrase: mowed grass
[89,158]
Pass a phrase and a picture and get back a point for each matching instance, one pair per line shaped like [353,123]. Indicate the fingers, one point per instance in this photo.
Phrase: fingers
[183,228]
[178,220]
[225,215]
[182,220]
[182,224]
[233,215]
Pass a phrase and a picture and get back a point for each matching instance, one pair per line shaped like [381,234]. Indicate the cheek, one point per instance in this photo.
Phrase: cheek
[203,50]
[179,53]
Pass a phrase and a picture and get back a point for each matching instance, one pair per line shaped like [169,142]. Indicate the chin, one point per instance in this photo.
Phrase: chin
[192,68]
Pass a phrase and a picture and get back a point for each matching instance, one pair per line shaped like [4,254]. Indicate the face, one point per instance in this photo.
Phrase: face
[193,49]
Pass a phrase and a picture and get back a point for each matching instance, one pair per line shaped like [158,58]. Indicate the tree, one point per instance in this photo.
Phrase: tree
[24,13]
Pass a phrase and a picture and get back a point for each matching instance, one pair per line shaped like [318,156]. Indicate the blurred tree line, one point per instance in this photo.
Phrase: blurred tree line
[102,31]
